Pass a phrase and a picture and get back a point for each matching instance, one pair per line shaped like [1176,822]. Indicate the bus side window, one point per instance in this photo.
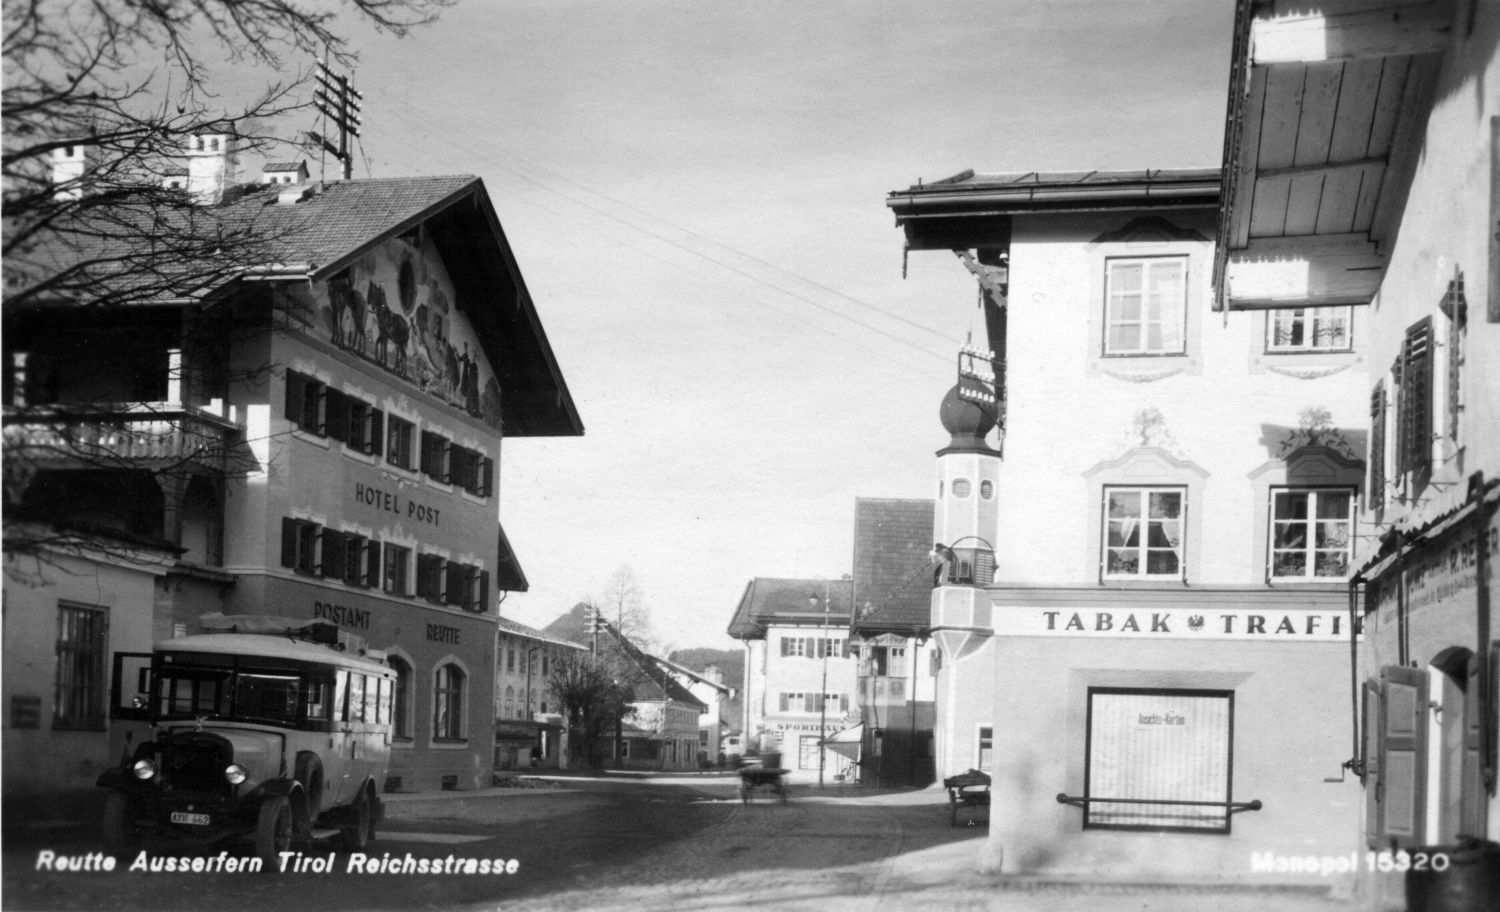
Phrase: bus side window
[356,698]
[316,690]
[385,702]
[340,690]
[372,699]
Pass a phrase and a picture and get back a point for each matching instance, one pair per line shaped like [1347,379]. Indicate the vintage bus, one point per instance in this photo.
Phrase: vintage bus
[259,729]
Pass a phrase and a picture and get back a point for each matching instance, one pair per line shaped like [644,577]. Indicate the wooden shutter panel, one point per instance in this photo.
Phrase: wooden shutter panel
[454,590]
[484,600]
[1370,722]
[288,542]
[783,697]
[295,383]
[785,649]
[1377,446]
[1402,797]
[377,432]
[1475,797]
[372,564]
[1415,405]
[336,415]
[487,477]
[333,553]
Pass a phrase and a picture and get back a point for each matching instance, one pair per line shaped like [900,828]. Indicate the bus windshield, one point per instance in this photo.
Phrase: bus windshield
[228,687]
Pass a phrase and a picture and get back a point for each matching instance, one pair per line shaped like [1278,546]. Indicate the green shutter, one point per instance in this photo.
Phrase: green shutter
[1402,789]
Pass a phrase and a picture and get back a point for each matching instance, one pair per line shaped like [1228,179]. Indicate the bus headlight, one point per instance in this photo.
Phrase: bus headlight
[144,768]
[235,774]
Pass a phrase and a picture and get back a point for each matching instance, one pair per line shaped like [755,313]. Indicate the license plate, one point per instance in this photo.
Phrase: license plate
[194,819]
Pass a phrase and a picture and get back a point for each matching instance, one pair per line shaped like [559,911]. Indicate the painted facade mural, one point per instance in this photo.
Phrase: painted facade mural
[396,306]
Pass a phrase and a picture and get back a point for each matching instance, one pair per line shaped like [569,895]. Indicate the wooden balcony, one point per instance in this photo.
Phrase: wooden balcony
[137,435]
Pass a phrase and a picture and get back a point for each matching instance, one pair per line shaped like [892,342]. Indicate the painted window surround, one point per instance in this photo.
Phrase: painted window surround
[1148,237]
[1147,467]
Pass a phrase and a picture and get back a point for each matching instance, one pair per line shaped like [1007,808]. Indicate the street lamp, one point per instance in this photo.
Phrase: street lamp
[822,694]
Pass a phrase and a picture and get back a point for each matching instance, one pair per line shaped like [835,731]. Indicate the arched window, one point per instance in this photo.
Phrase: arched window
[448,703]
[402,716]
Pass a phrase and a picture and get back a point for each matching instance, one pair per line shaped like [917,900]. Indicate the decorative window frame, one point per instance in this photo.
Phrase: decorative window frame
[1303,365]
[1149,237]
[1147,467]
[1319,467]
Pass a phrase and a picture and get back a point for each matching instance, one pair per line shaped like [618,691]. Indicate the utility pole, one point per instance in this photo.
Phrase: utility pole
[338,101]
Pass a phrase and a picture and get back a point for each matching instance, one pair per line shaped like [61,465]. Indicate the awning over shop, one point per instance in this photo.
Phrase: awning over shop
[846,743]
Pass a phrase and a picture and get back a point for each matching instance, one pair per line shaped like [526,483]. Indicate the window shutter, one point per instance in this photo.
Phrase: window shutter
[786,650]
[336,416]
[1414,408]
[333,553]
[1377,446]
[487,477]
[372,564]
[294,386]
[783,697]
[484,603]
[317,541]
[1401,792]
[377,431]
[454,590]
[288,542]
[1370,721]
[1474,796]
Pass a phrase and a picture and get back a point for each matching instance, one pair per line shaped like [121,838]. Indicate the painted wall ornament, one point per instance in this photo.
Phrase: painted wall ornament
[1315,428]
[394,306]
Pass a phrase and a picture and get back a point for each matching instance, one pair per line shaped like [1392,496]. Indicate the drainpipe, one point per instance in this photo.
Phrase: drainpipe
[1482,610]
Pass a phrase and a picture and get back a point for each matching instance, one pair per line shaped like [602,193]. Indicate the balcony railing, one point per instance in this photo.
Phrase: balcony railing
[148,435]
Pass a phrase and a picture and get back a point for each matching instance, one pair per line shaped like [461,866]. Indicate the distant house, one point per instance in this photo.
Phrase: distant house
[528,720]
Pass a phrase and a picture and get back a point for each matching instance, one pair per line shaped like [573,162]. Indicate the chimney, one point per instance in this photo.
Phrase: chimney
[213,166]
[71,166]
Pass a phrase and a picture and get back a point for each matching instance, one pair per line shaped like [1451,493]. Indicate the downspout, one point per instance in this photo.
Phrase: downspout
[1355,762]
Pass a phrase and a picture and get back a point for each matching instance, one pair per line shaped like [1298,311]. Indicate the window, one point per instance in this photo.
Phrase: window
[470,470]
[396,560]
[794,646]
[1145,310]
[812,703]
[1311,533]
[81,639]
[435,456]
[299,545]
[362,426]
[304,402]
[1143,532]
[447,703]
[401,721]
[430,577]
[476,592]
[831,647]
[510,658]
[398,442]
[361,562]
[1158,746]
[1309,329]
[985,749]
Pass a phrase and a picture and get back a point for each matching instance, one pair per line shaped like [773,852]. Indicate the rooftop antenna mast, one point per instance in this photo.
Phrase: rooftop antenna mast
[338,101]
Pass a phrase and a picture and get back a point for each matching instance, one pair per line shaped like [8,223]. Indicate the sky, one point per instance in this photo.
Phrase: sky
[694,191]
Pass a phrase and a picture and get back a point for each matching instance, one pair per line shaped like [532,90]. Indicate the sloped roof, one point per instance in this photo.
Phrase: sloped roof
[516,628]
[327,228]
[892,570]
[770,601]
[653,669]
[972,209]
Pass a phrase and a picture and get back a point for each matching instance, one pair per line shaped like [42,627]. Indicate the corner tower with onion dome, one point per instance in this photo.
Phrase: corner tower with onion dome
[964,526]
